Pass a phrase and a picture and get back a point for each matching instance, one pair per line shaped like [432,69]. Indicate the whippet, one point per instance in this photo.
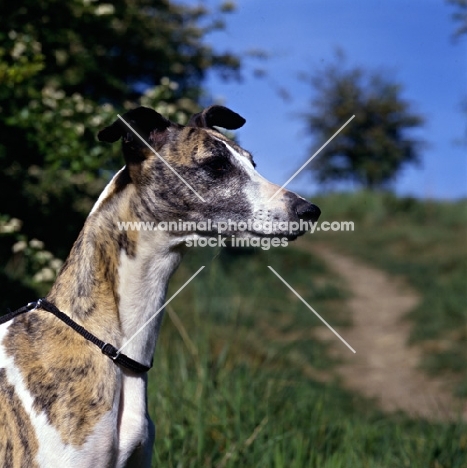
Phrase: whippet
[63,402]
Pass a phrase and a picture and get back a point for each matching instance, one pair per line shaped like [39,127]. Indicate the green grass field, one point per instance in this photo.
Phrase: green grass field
[231,385]
[426,243]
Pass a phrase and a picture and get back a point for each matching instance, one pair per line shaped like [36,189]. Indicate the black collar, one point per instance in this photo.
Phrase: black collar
[108,349]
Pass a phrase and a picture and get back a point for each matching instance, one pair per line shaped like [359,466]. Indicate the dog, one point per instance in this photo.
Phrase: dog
[63,402]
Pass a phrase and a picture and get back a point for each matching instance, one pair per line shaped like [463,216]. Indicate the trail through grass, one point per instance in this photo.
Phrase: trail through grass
[425,242]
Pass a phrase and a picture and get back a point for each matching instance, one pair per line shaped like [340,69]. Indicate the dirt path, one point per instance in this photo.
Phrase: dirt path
[384,367]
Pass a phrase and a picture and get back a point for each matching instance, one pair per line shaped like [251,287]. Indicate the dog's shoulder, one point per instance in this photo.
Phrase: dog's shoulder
[55,376]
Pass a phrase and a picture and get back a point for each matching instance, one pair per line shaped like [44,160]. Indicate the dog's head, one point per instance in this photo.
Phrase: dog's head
[195,173]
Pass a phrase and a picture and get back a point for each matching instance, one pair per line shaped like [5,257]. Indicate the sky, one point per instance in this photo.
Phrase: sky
[411,40]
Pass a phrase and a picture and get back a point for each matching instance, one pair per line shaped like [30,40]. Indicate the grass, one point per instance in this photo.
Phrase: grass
[425,242]
[231,385]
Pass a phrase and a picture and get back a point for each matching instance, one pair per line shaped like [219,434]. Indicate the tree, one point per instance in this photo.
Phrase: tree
[460,16]
[66,69]
[376,145]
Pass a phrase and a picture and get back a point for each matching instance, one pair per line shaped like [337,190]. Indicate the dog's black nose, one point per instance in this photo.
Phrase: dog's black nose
[306,211]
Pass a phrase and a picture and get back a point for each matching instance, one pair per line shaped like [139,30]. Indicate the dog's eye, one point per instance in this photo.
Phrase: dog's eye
[217,166]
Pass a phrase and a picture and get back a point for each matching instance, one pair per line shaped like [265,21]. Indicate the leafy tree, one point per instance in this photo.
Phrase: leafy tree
[66,69]
[375,146]
[63,68]
[460,15]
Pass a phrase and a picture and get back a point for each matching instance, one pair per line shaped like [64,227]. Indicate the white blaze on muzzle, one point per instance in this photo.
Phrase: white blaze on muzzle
[259,190]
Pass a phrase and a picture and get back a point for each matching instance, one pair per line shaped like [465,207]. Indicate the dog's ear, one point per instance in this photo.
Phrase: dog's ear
[148,124]
[142,119]
[218,116]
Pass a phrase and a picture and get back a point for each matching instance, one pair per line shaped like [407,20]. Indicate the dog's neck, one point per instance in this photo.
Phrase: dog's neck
[143,281]
[114,281]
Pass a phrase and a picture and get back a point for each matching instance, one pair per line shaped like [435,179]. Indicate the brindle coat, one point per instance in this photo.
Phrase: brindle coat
[62,402]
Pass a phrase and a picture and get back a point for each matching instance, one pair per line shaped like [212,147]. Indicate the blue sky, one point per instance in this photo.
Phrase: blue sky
[411,39]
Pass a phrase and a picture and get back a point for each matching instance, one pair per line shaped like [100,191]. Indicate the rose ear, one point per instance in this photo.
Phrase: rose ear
[218,116]
[142,119]
[112,133]
[145,123]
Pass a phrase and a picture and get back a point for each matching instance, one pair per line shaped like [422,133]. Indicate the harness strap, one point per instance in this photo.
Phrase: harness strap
[106,348]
